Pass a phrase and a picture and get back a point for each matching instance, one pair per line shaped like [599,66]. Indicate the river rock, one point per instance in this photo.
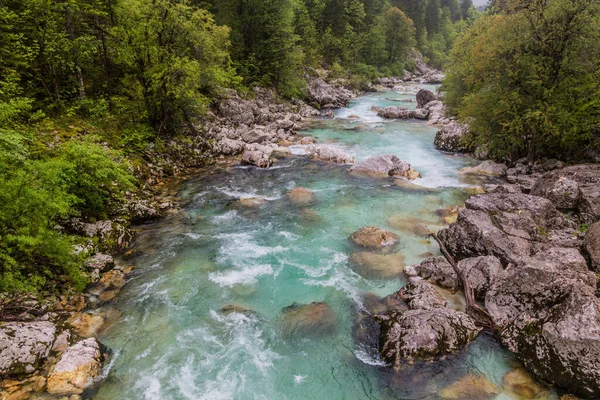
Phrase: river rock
[425,96]
[325,95]
[249,202]
[301,196]
[374,238]
[519,382]
[230,147]
[424,334]
[399,112]
[421,295]
[329,153]
[448,215]
[308,319]
[437,112]
[410,224]
[592,246]
[100,262]
[471,387]
[451,137]
[509,226]
[377,266]
[388,165]
[238,111]
[481,272]
[486,168]
[24,345]
[574,187]
[257,135]
[86,324]
[437,271]
[76,368]
[257,158]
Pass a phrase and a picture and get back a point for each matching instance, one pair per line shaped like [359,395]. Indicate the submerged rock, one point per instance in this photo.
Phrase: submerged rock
[76,368]
[411,224]
[249,202]
[24,345]
[301,196]
[387,165]
[424,334]
[329,153]
[519,382]
[377,266]
[471,387]
[308,319]
[372,237]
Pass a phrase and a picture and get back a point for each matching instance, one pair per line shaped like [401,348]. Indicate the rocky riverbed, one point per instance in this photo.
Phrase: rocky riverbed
[528,245]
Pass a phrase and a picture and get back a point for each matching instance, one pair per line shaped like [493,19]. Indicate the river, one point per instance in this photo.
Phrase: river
[170,339]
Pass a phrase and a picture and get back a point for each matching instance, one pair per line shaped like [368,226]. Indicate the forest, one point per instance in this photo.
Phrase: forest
[86,86]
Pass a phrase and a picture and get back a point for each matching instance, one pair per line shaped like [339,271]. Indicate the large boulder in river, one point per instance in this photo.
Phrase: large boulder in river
[24,345]
[424,334]
[508,226]
[325,95]
[576,187]
[480,272]
[425,96]
[399,112]
[549,316]
[592,246]
[324,152]
[421,295]
[374,238]
[451,137]
[76,368]
[437,271]
[387,165]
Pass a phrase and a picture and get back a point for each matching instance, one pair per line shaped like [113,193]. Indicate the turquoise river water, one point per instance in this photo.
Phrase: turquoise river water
[170,339]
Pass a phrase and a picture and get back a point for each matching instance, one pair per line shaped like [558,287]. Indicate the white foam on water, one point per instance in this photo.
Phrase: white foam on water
[237,248]
[246,276]
[193,235]
[228,216]
[368,359]
[298,379]
[240,194]
[289,235]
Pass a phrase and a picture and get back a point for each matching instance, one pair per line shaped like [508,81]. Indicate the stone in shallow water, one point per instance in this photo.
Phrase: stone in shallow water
[250,202]
[424,334]
[385,165]
[76,368]
[413,225]
[374,238]
[312,319]
[471,387]
[301,196]
[520,383]
[377,266]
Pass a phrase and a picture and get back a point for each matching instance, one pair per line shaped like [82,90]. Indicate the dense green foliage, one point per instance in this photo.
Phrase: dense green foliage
[81,78]
[528,79]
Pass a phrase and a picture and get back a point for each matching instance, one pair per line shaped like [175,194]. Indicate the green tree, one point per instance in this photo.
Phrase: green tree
[400,34]
[528,79]
[175,58]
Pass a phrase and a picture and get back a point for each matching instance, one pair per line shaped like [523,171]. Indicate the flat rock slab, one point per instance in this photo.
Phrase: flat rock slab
[24,345]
